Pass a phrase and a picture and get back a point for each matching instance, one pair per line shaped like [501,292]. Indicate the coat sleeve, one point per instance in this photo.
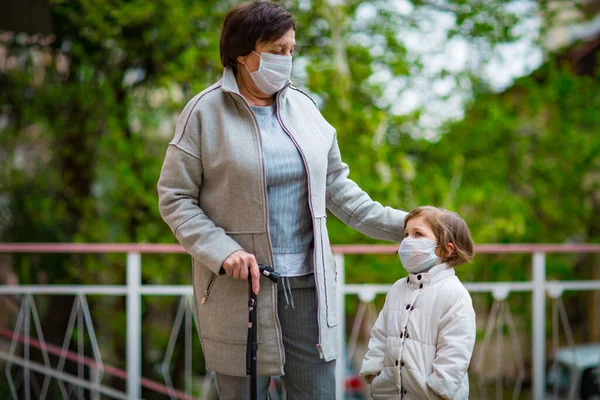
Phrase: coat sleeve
[456,339]
[373,362]
[347,201]
[179,188]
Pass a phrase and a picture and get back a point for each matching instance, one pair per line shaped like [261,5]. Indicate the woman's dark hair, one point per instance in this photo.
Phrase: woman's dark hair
[249,23]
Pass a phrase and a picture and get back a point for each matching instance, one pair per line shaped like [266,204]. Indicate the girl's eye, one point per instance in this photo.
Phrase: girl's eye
[405,234]
[418,234]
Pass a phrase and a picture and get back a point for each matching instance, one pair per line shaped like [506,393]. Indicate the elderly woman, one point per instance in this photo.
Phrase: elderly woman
[246,180]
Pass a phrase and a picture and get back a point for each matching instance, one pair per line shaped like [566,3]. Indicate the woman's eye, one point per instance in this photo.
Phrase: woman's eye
[405,234]
[418,234]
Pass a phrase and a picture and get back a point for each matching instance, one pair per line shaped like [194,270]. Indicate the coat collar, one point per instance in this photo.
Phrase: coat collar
[435,274]
[229,84]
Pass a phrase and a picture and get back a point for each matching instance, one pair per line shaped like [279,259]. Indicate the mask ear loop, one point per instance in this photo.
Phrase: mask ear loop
[248,69]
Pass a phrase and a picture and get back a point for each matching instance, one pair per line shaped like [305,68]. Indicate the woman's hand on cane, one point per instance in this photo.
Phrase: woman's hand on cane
[239,263]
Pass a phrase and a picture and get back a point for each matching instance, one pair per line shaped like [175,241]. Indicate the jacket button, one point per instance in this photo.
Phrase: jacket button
[412,308]
[396,363]
[406,335]
[421,286]
[402,364]
[401,334]
[419,277]
[408,306]
[405,392]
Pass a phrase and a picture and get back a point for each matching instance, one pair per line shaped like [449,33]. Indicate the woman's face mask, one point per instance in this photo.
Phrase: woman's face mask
[418,255]
[273,72]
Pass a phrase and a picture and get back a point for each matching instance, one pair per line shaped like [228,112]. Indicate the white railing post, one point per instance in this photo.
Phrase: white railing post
[27,329]
[340,368]
[95,380]
[539,324]
[134,322]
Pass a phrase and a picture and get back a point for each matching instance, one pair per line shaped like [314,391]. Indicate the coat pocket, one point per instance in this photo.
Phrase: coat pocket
[327,270]
[384,385]
[222,307]
[208,288]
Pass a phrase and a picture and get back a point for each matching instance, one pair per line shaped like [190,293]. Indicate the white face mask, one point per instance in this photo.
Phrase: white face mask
[273,72]
[418,255]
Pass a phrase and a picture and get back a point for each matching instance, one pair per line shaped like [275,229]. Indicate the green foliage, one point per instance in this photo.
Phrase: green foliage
[522,167]
[89,116]
[531,157]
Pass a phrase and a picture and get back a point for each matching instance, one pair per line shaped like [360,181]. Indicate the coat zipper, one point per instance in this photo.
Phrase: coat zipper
[312,214]
[211,281]
[267,213]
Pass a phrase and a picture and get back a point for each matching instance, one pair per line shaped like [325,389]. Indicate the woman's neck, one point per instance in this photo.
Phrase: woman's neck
[254,97]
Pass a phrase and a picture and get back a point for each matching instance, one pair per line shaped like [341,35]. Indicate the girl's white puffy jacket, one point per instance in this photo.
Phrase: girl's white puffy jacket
[422,342]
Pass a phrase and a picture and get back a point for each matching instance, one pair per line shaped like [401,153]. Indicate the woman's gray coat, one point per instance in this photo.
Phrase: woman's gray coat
[213,195]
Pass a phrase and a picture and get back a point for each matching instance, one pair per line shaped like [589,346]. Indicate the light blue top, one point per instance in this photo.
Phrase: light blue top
[290,223]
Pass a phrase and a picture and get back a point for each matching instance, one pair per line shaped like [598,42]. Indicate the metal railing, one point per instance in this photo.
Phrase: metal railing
[133,290]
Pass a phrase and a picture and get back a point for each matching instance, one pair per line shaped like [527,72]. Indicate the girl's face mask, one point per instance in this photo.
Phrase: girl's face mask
[418,255]
[273,72]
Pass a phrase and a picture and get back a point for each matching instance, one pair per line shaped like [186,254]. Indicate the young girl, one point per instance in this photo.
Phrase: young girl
[422,342]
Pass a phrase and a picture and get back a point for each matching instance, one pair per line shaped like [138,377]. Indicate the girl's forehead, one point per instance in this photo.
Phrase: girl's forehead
[418,223]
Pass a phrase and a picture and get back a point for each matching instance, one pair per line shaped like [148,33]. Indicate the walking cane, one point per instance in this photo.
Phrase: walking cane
[252,343]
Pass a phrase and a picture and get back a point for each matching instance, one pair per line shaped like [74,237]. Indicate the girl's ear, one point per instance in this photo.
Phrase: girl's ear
[450,248]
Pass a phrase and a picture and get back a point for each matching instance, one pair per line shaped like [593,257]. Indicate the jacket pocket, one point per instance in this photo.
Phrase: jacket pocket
[206,293]
[415,384]
[384,385]
[327,265]
[222,307]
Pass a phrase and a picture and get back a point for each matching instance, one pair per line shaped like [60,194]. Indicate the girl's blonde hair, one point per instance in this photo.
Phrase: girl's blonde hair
[448,227]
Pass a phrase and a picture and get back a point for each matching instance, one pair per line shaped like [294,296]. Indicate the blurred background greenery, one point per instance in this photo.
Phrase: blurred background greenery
[488,108]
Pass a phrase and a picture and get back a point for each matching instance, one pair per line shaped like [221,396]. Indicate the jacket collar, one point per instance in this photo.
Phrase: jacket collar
[435,274]
[229,84]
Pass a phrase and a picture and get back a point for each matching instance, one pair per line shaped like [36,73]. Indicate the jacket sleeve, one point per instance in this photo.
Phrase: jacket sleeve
[347,201]
[456,339]
[179,188]
[373,362]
